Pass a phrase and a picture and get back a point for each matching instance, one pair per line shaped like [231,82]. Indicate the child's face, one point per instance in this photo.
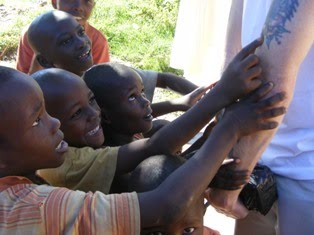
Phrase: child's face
[69,46]
[130,112]
[80,9]
[79,114]
[31,138]
[191,223]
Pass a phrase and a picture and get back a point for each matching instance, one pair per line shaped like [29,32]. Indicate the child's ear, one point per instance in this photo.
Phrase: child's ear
[43,62]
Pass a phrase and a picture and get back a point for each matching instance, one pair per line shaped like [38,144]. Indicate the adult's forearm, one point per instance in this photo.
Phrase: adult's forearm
[280,60]
[288,35]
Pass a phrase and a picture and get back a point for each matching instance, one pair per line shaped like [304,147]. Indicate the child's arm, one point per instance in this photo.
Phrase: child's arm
[280,60]
[238,80]
[167,203]
[182,103]
[175,83]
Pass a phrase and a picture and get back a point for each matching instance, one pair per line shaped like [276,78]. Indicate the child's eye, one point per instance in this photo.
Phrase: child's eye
[188,230]
[131,98]
[66,41]
[92,100]
[76,114]
[37,121]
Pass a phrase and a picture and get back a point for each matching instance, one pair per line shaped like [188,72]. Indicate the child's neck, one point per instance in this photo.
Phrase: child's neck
[117,139]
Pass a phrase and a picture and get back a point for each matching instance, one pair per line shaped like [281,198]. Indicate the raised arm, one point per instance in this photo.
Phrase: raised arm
[240,74]
[288,35]
[171,199]
[175,83]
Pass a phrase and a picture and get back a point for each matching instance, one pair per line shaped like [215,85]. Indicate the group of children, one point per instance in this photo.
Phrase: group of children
[98,110]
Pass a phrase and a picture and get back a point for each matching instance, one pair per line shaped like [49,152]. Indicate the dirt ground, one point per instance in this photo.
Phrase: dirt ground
[8,13]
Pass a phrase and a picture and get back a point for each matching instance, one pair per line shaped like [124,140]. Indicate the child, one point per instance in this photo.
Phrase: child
[148,175]
[28,207]
[82,10]
[72,53]
[69,99]
[125,110]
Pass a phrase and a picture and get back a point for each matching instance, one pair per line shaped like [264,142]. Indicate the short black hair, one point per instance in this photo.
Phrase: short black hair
[37,32]
[102,79]
[151,172]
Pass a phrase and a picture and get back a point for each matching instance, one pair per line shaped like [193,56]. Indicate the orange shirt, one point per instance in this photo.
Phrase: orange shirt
[27,208]
[100,49]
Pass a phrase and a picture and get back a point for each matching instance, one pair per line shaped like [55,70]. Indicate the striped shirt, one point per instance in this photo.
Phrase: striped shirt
[27,208]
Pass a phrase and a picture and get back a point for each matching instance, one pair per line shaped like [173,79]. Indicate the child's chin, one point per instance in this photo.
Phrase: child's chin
[97,143]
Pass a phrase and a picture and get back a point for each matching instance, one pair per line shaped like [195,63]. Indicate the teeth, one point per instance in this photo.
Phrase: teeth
[92,132]
[83,54]
[60,145]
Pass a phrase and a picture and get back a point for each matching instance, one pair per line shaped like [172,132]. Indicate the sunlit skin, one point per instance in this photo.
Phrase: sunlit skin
[130,111]
[27,128]
[69,99]
[69,46]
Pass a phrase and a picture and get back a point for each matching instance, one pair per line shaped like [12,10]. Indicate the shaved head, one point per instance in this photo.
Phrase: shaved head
[107,78]
[39,31]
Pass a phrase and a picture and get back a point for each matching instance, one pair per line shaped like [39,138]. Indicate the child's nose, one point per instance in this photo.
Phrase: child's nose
[55,124]
[82,42]
[93,114]
[145,101]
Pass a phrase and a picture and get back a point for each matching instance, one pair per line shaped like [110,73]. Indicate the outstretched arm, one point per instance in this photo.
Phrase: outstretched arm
[238,80]
[171,199]
[175,83]
[182,103]
[288,35]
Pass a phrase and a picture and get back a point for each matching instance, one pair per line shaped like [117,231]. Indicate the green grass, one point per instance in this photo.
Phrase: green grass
[15,15]
[139,32]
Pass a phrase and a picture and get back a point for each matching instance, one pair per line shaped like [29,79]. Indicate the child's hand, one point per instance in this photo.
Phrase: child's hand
[228,178]
[188,100]
[241,75]
[253,114]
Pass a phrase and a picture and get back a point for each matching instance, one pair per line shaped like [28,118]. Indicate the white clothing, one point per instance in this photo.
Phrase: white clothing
[199,38]
[290,153]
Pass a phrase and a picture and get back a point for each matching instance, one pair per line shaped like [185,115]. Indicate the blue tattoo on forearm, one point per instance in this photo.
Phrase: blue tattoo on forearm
[281,12]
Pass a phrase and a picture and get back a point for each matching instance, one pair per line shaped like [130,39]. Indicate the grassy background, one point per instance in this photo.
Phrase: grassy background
[140,32]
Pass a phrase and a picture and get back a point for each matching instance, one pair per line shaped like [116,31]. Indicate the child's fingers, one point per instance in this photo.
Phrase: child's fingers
[268,125]
[273,100]
[254,72]
[249,49]
[274,112]
[261,91]
[254,84]
[250,61]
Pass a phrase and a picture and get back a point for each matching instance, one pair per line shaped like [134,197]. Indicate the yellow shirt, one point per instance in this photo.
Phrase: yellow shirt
[85,169]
